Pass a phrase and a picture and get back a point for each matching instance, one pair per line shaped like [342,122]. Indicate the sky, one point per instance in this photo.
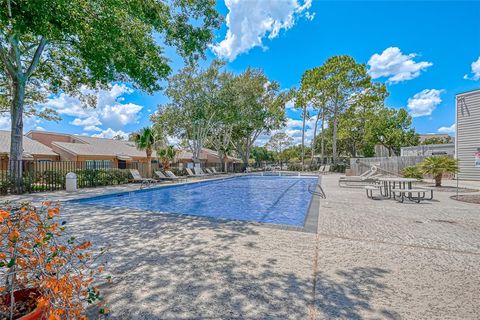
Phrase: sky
[425,52]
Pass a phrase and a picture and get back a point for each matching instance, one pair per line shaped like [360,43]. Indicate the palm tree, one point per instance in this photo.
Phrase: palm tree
[146,139]
[437,166]
[166,155]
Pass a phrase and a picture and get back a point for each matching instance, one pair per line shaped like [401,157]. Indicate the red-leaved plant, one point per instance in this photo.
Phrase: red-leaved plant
[38,257]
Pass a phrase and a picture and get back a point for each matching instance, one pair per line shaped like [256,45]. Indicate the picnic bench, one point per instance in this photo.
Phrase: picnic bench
[409,193]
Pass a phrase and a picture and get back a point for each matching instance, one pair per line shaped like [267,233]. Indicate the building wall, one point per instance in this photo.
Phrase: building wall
[429,150]
[468,134]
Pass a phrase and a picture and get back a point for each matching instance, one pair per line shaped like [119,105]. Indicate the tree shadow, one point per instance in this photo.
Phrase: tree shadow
[172,267]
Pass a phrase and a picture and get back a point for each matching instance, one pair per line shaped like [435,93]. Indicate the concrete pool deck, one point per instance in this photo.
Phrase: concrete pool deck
[375,259]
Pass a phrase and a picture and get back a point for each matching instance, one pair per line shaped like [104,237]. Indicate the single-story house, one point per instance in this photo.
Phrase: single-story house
[99,152]
[429,150]
[32,150]
[208,158]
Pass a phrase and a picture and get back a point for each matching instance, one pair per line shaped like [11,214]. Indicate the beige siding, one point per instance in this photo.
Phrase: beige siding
[468,134]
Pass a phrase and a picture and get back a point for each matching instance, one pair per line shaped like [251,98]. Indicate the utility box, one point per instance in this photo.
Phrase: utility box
[71,182]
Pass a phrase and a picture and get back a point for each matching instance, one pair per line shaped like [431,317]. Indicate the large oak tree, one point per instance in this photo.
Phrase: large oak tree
[52,46]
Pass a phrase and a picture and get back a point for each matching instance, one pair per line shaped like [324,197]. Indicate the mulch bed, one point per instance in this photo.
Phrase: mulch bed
[470,198]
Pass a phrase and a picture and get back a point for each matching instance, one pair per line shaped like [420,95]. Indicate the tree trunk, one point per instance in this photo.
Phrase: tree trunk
[314,139]
[322,141]
[334,138]
[16,135]
[149,163]
[438,180]
[303,137]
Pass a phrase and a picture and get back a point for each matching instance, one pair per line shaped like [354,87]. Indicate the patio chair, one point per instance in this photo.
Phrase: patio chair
[368,177]
[162,176]
[199,172]
[215,171]
[191,174]
[170,174]
[210,172]
[137,177]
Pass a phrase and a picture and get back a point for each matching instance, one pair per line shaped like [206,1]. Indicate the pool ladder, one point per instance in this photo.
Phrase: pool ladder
[312,188]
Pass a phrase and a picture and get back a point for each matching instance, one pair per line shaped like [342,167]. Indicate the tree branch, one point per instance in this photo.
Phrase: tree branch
[36,57]
[6,61]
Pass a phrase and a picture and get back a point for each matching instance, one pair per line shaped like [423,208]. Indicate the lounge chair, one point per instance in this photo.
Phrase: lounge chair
[170,174]
[162,176]
[208,171]
[191,174]
[215,171]
[369,177]
[137,177]
[199,172]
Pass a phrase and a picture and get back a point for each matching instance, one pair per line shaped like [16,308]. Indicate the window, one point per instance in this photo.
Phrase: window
[98,164]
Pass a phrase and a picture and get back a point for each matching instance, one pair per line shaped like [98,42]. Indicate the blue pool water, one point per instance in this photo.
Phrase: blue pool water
[278,200]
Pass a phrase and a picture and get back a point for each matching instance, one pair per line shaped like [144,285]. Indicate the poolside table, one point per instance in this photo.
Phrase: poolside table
[391,183]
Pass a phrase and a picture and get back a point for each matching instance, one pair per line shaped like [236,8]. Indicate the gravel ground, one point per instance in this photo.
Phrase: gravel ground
[375,259]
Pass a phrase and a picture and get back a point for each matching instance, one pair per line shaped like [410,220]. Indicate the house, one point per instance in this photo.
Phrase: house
[95,152]
[467,138]
[208,158]
[32,150]
[429,150]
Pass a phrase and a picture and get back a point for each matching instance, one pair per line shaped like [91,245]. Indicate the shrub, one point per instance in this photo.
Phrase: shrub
[338,168]
[412,172]
[294,166]
[35,252]
[179,171]
[437,166]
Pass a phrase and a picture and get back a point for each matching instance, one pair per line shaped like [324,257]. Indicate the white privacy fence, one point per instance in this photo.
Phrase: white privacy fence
[388,165]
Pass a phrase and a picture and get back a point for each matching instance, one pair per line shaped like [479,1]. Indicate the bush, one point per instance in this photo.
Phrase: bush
[338,168]
[179,171]
[294,166]
[437,166]
[412,172]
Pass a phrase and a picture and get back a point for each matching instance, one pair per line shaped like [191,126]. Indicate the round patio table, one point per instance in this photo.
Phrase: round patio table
[391,183]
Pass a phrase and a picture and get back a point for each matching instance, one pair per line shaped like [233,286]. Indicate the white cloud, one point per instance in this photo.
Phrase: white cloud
[109,111]
[110,133]
[5,123]
[92,128]
[248,22]
[395,65]
[451,129]
[424,102]
[475,71]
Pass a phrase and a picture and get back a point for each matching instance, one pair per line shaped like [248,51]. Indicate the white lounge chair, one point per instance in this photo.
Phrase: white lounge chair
[170,174]
[215,171]
[161,176]
[191,174]
[137,177]
[199,172]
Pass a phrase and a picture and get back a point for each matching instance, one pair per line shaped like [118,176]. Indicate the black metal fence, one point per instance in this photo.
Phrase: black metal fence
[39,176]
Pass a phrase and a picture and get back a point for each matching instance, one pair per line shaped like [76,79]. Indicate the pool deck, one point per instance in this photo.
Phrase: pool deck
[371,259]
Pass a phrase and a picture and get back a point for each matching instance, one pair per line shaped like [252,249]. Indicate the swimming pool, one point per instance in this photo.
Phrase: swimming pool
[267,199]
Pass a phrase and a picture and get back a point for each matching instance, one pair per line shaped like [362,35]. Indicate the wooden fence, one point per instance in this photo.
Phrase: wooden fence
[387,165]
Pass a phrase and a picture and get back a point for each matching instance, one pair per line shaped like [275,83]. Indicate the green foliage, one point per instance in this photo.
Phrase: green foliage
[412,172]
[436,166]
[392,128]
[437,140]
[262,154]
[335,86]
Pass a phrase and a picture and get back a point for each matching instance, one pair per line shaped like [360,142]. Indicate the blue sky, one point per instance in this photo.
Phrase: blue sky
[426,52]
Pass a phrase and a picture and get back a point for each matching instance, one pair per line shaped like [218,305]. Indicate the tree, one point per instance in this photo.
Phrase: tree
[392,129]
[279,142]
[63,46]
[259,108]
[166,156]
[437,166]
[300,103]
[147,140]
[221,133]
[118,137]
[261,154]
[192,110]
[437,140]
[354,121]
[336,84]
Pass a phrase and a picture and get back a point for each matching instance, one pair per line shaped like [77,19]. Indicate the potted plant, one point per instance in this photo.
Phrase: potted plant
[436,166]
[46,274]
